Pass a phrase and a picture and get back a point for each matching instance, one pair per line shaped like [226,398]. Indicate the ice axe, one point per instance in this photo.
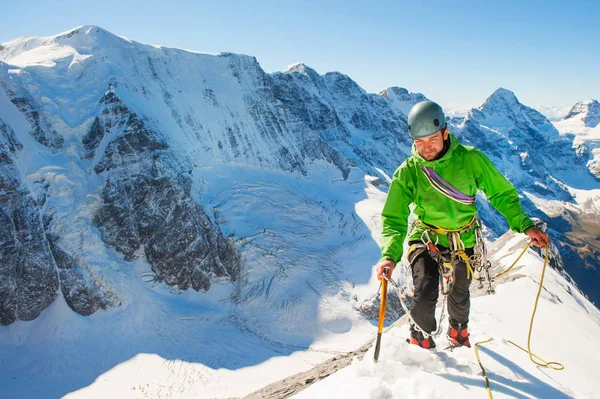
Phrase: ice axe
[382,305]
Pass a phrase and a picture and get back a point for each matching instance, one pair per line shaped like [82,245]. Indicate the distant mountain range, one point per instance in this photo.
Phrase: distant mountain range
[202,170]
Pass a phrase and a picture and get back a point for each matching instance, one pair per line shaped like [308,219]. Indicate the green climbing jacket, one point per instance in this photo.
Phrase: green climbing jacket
[465,168]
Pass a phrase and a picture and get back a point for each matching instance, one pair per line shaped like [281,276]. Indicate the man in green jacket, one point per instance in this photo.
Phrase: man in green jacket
[441,179]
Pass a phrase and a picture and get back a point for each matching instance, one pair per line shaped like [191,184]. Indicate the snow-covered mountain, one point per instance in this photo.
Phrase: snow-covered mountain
[209,209]
[139,130]
[587,112]
[583,122]
[549,169]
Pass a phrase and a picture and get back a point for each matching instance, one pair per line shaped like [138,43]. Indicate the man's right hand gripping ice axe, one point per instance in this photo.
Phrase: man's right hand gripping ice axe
[385,264]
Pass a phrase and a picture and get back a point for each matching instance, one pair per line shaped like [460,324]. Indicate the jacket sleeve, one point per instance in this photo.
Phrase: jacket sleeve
[502,195]
[394,217]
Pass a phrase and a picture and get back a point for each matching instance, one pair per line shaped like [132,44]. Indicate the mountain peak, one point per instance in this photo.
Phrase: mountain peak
[46,50]
[401,99]
[301,68]
[503,110]
[399,91]
[87,34]
[503,97]
[589,110]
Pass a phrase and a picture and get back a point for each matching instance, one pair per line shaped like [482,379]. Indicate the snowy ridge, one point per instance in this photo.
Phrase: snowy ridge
[406,371]
[588,111]
[583,122]
[401,99]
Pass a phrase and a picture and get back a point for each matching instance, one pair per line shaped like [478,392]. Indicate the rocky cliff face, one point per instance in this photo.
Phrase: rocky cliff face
[29,280]
[147,203]
[34,267]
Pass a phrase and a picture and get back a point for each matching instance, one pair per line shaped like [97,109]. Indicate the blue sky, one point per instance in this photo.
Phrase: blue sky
[455,52]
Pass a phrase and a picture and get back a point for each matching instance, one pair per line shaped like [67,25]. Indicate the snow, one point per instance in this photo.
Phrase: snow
[566,330]
[159,344]
[45,56]
[582,122]
[401,100]
[576,126]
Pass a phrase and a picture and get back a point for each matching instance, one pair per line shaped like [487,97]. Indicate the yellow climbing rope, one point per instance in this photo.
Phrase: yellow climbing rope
[552,365]
[516,260]
[543,363]
[487,381]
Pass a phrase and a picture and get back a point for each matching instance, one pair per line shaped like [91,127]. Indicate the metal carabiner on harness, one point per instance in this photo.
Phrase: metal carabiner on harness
[446,277]
[431,246]
[445,269]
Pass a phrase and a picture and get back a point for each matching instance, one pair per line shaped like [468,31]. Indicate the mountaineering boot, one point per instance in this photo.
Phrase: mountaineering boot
[417,338]
[459,337]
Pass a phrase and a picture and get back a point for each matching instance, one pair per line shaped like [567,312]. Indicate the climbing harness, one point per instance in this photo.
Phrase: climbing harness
[541,362]
[455,243]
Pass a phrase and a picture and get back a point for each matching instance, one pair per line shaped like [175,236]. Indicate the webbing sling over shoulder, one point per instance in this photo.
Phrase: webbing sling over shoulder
[445,188]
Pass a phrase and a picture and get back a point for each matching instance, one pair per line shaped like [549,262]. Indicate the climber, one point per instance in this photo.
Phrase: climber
[441,178]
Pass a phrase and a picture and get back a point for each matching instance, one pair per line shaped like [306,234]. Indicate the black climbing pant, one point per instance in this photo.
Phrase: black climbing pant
[426,279]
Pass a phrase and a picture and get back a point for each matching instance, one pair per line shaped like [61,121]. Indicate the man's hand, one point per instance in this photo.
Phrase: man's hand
[386,263]
[538,237]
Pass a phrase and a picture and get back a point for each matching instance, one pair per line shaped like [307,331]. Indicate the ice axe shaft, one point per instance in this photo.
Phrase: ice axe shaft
[382,306]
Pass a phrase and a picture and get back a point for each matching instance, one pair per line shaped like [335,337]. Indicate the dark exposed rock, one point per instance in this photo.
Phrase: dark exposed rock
[29,259]
[41,129]
[29,282]
[179,239]
[143,205]
[84,295]
[9,140]
[370,307]
[91,140]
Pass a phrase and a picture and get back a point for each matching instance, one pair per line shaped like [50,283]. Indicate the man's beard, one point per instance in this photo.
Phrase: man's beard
[443,151]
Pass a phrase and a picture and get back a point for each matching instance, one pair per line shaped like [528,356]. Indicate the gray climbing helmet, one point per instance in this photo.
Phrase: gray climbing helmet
[425,118]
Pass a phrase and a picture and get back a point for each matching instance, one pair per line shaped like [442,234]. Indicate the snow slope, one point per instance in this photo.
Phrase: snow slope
[216,344]
[566,330]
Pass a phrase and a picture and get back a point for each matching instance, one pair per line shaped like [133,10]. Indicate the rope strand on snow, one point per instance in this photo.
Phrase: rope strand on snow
[487,381]
[542,362]
[515,262]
